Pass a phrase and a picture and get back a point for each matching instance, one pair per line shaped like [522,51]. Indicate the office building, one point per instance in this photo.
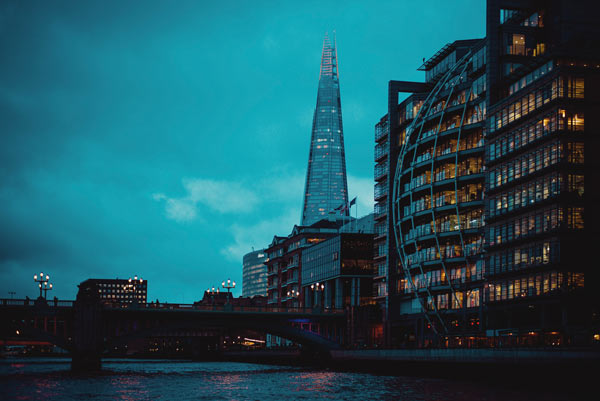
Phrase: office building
[284,263]
[117,290]
[541,207]
[338,271]
[326,188]
[254,274]
[493,226]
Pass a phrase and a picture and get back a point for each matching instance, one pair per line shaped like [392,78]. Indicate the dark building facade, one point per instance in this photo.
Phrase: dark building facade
[326,186]
[484,188]
[542,197]
[118,290]
[284,263]
[254,274]
[338,272]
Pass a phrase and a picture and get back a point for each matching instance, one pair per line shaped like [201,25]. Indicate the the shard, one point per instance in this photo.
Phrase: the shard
[326,188]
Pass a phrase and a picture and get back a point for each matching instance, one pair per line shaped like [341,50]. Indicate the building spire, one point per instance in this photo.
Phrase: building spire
[326,184]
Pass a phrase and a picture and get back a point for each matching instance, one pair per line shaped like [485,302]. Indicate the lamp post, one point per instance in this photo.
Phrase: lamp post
[229,286]
[47,287]
[317,287]
[212,294]
[41,281]
[293,294]
[12,294]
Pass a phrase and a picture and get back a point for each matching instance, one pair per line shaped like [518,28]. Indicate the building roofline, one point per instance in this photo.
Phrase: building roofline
[444,51]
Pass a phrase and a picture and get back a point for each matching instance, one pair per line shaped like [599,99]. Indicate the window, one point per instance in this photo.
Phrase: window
[575,218]
[576,183]
[575,153]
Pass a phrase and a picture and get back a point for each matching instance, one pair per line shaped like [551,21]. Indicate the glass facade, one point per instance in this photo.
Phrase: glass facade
[338,272]
[254,274]
[326,187]
[494,224]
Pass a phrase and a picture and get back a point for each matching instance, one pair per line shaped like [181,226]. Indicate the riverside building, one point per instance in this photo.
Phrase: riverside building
[254,274]
[492,220]
[541,180]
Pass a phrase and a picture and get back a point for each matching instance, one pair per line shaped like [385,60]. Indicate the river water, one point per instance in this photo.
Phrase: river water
[51,379]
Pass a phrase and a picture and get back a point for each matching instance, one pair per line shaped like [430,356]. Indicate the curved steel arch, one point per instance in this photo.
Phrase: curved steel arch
[410,144]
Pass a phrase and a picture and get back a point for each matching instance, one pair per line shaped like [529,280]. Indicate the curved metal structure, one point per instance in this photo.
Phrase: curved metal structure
[438,199]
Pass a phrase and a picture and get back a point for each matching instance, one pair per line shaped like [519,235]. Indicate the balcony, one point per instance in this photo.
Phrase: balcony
[381,190]
[381,150]
[380,210]
[381,230]
[381,170]
[381,131]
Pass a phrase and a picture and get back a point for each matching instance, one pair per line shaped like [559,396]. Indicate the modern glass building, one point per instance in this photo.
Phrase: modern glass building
[254,274]
[338,271]
[494,226]
[438,203]
[541,184]
[326,188]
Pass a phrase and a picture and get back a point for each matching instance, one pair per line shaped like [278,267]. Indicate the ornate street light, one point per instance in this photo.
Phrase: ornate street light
[42,280]
[212,293]
[317,287]
[47,287]
[229,286]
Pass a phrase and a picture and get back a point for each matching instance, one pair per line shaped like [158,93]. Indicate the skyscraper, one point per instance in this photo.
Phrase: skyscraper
[326,187]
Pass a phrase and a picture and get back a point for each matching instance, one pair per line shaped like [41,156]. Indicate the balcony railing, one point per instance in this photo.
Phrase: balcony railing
[380,209]
[381,130]
[381,150]
[381,189]
[381,170]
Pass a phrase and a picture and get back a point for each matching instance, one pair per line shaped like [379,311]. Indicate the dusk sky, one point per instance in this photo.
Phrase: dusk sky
[166,139]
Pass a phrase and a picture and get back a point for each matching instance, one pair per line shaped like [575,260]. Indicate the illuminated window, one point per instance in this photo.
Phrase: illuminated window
[575,218]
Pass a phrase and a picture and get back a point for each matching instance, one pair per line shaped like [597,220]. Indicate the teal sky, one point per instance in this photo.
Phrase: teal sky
[166,139]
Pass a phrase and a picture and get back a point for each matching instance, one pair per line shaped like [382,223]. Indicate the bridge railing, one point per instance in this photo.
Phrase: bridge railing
[229,308]
[175,306]
[33,302]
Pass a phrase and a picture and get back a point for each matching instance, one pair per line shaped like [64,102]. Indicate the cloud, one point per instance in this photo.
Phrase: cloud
[362,188]
[258,235]
[219,196]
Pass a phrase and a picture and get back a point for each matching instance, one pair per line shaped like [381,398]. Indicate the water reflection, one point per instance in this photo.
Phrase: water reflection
[173,380]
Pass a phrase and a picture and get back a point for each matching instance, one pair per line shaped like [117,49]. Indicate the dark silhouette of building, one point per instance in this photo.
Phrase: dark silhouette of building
[326,188]
[118,290]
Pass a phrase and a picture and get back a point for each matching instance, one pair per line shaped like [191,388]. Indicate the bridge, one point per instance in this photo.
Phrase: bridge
[88,328]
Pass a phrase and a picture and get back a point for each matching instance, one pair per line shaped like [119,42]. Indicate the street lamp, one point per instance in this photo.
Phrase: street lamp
[212,294]
[317,287]
[293,294]
[47,287]
[41,281]
[229,286]
[12,294]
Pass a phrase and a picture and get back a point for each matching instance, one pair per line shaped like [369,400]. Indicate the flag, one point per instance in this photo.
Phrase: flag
[352,202]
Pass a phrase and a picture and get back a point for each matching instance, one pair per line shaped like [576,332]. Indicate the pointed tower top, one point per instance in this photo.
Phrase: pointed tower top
[329,58]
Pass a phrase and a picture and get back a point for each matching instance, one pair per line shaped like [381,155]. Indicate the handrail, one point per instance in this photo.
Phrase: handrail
[176,306]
